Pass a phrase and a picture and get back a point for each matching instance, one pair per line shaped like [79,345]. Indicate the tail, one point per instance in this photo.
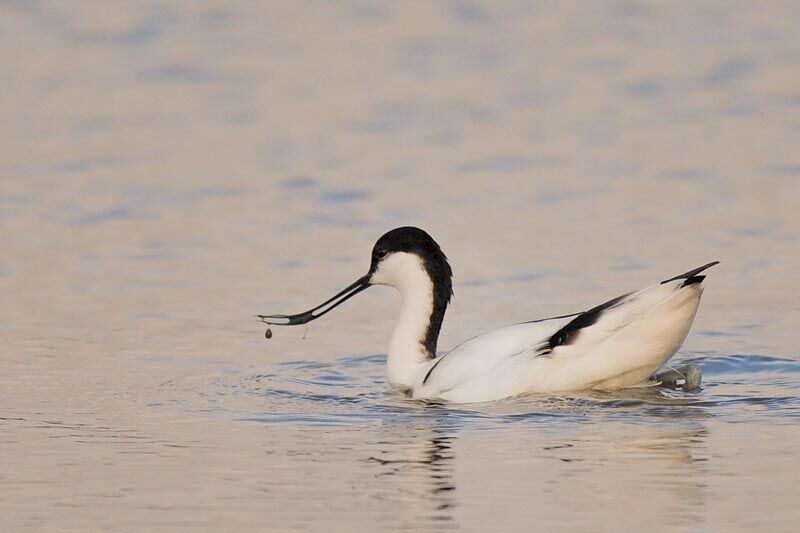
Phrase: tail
[692,277]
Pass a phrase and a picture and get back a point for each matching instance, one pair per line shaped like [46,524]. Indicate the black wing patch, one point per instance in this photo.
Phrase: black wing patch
[568,333]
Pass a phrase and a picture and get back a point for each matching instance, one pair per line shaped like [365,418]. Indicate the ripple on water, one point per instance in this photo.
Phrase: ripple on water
[353,391]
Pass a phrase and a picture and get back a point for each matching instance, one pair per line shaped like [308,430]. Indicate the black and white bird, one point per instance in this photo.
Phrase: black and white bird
[618,344]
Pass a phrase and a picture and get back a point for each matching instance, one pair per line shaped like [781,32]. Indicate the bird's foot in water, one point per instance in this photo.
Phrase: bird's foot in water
[686,377]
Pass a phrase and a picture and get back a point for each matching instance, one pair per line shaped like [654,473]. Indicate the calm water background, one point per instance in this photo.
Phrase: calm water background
[169,170]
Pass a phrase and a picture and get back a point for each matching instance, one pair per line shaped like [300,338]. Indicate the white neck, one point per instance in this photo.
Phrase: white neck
[407,353]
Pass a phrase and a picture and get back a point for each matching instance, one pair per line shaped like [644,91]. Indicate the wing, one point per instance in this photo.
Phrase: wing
[588,329]
[622,342]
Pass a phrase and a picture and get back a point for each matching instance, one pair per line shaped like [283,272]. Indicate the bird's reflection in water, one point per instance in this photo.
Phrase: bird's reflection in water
[419,467]
[529,465]
[591,477]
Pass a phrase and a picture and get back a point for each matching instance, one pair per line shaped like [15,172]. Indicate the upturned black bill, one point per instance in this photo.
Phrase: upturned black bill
[313,314]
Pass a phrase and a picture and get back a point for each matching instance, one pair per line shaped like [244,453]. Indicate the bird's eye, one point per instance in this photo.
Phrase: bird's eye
[380,253]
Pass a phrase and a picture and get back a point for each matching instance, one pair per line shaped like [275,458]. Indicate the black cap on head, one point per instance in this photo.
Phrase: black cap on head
[410,239]
[413,240]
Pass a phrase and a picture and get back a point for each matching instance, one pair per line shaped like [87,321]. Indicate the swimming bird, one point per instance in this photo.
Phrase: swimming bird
[617,344]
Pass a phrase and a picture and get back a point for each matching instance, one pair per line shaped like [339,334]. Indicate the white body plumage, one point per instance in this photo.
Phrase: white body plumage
[624,348]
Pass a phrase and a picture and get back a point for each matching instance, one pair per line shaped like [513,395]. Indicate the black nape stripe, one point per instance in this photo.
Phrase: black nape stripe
[567,334]
[435,263]
[692,274]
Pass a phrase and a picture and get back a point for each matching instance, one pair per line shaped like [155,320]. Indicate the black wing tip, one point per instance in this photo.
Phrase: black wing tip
[694,280]
[691,276]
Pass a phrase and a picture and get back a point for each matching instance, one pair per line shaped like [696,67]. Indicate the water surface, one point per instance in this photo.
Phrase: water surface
[169,170]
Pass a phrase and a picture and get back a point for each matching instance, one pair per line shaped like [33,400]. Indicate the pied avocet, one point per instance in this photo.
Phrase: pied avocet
[618,344]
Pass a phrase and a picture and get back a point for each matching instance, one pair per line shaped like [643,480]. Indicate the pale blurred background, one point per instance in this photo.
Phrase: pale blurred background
[169,169]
